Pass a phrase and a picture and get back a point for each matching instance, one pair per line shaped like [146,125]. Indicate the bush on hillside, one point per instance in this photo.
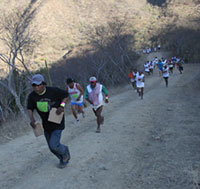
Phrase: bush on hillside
[182,42]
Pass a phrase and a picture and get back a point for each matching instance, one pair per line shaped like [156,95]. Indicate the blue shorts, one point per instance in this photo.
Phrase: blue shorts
[78,104]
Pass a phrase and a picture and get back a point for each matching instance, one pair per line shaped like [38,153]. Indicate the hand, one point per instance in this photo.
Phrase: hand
[32,123]
[78,99]
[106,99]
[59,110]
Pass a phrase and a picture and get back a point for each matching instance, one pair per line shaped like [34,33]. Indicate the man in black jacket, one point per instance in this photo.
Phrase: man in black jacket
[43,99]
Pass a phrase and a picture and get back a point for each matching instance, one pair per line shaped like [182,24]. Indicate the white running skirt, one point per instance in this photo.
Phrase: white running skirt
[96,107]
[140,84]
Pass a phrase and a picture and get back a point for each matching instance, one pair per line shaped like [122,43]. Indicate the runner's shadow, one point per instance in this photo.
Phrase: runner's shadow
[158,3]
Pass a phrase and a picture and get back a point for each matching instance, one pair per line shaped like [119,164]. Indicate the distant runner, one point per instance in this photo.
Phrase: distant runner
[174,61]
[180,66]
[140,78]
[160,66]
[165,72]
[131,77]
[94,95]
[134,76]
[146,67]
[76,95]
[171,66]
[151,67]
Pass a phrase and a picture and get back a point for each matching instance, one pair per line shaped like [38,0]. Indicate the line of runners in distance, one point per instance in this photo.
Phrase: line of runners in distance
[165,67]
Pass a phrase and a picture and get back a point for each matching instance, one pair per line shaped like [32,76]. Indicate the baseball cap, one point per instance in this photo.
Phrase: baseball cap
[93,79]
[37,79]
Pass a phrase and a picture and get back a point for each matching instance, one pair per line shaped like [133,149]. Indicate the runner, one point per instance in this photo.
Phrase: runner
[134,77]
[165,72]
[155,61]
[171,66]
[165,61]
[180,66]
[131,77]
[76,95]
[43,99]
[174,61]
[94,95]
[160,66]
[140,78]
[151,66]
[146,67]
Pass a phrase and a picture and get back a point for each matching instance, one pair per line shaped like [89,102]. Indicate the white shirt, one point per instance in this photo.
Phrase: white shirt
[139,80]
[165,72]
[151,65]
[146,67]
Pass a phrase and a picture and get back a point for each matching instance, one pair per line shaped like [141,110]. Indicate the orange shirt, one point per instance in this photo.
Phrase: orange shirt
[130,75]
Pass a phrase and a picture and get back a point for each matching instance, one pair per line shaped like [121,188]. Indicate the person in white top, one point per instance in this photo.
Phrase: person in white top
[134,75]
[76,95]
[94,95]
[151,66]
[140,78]
[146,67]
[171,66]
[165,72]
[165,61]
[174,61]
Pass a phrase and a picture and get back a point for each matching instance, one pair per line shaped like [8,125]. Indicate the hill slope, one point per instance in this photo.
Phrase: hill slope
[62,24]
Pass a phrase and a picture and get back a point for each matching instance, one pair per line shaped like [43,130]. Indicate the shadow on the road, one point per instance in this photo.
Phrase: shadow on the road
[159,3]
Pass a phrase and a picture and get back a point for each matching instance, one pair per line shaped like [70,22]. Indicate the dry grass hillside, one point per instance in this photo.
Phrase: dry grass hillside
[62,24]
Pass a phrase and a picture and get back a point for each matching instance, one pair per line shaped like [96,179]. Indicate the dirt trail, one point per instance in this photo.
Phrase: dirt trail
[145,144]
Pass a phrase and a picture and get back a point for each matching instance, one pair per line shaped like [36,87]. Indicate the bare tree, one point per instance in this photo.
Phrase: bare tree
[115,43]
[19,41]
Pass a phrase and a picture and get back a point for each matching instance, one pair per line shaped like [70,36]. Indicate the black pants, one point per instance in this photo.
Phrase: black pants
[180,69]
[166,81]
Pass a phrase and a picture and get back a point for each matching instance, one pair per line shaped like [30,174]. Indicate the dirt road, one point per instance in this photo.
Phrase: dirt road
[145,144]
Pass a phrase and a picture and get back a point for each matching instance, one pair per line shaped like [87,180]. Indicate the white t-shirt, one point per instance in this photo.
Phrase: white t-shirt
[134,76]
[139,81]
[151,65]
[165,72]
[146,67]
